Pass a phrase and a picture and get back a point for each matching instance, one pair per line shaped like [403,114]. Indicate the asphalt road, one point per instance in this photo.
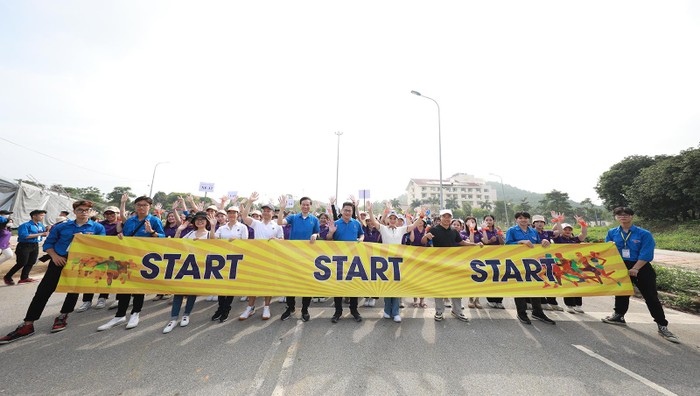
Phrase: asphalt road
[493,354]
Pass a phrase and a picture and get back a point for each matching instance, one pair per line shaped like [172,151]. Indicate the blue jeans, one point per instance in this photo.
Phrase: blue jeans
[392,305]
[177,302]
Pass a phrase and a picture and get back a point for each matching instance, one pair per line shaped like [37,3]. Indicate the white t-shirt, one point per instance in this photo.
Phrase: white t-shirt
[267,231]
[392,236]
[237,231]
[193,235]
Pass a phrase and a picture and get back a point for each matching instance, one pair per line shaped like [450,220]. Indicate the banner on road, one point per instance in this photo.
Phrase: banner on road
[99,264]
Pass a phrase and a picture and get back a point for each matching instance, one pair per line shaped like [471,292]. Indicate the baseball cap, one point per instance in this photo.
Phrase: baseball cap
[233,209]
[60,219]
[392,213]
[212,207]
[221,211]
[538,218]
[256,212]
[5,212]
[564,225]
[445,211]
[269,206]
[111,209]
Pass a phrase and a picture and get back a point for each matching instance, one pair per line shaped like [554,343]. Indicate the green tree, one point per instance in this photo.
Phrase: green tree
[416,203]
[114,198]
[557,201]
[452,203]
[395,203]
[523,206]
[466,207]
[655,195]
[479,213]
[613,182]
[485,204]
[499,211]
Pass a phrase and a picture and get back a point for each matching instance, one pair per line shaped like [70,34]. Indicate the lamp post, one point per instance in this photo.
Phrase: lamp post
[150,193]
[337,164]
[442,201]
[505,205]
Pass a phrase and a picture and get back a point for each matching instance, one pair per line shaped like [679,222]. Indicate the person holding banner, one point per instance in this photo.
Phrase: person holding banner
[442,235]
[346,229]
[56,245]
[141,224]
[302,226]
[573,304]
[636,246]
[264,229]
[523,234]
[492,235]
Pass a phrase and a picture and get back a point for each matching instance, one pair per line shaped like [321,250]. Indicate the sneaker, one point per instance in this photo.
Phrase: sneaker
[84,306]
[60,323]
[357,316]
[570,309]
[287,313]
[336,318]
[212,298]
[386,315]
[578,309]
[244,298]
[366,304]
[305,317]
[492,305]
[438,317]
[9,282]
[282,300]
[223,317]
[27,280]
[666,333]
[23,330]
[543,318]
[460,316]
[185,320]
[170,326]
[133,320]
[470,304]
[322,299]
[112,323]
[114,304]
[101,302]
[401,305]
[166,296]
[524,319]
[217,315]
[346,300]
[266,312]
[477,303]
[156,298]
[615,319]
[500,306]
[372,302]
[249,311]
[557,308]
[546,307]
[397,318]
[448,303]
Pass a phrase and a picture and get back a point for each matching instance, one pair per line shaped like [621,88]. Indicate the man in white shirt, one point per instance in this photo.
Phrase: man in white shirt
[231,230]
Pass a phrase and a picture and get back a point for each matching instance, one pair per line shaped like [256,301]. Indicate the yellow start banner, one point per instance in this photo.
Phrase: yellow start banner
[105,264]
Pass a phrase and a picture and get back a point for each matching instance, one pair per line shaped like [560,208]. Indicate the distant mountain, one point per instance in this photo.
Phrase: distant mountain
[515,194]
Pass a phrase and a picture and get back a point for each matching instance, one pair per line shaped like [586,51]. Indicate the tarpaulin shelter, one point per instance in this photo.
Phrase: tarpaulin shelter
[21,198]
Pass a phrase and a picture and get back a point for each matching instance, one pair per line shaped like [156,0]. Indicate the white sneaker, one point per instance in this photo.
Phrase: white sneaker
[500,306]
[366,304]
[397,318]
[282,300]
[322,299]
[212,298]
[133,320]
[266,312]
[84,306]
[114,304]
[249,311]
[112,323]
[492,305]
[546,307]
[570,309]
[372,302]
[101,302]
[244,298]
[557,308]
[578,309]
[185,320]
[386,315]
[170,326]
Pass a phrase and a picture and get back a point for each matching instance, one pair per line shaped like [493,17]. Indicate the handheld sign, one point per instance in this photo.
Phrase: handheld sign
[232,194]
[290,203]
[206,187]
[364,194]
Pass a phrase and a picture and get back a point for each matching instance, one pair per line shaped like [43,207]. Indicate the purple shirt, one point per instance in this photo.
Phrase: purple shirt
[465,235]
[490,234]
[170,231]
[323,232]
[5,236]
[478,237]
[546,235]
[286,230]
[251,232]
[417,236]
[372,234]
[110,229]
[563,239]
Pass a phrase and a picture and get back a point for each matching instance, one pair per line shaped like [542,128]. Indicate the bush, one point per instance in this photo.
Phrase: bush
[683,285]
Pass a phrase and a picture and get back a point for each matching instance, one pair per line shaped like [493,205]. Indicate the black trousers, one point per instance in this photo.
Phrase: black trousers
[305,302]
[338,302]
[225,303]
[573,301]
[549,300]
[494,299]
[44,291]
[27,253]
[89,296]
[521,305]
[124,304]
[646,283]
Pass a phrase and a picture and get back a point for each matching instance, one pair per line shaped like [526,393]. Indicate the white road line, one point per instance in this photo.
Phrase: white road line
[264,368]
[616,366]
[286,371]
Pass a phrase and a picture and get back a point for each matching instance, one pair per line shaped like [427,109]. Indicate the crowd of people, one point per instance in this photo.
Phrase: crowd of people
[190,219]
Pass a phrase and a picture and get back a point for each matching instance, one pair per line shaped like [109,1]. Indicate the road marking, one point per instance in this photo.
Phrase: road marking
[616,366]
[264,368]
[286,371]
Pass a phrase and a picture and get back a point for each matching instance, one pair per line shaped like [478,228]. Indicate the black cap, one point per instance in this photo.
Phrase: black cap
[5,212]
[36,212]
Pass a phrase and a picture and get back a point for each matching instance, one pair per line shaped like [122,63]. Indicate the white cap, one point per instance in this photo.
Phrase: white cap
[564,225]
[233,208]
[445,211]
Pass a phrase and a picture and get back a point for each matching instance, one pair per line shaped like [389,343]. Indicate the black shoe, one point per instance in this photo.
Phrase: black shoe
[287,314]
[615,319]
[543,318]
[524,319]
[223,316]
[217,315]
[336,317]
[305,316]
[357,316]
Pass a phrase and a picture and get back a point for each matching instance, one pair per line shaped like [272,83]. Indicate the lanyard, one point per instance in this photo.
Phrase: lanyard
[625,238]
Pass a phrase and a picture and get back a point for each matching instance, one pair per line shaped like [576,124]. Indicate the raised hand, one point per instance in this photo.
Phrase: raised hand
[581,221]
[253,197]
[331,226]
[283,201]
[125,198]
[368,205]
[212,220]
[184,225]
[557,217]
[147,227]
[331,200]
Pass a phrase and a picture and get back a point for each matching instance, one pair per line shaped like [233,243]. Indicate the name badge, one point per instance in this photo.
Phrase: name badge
[625,253]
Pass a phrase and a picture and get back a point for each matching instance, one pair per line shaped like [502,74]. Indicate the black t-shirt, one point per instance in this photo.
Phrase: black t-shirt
[445,237]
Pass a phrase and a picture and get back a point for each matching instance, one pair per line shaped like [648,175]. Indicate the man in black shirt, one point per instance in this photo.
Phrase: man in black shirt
[442,235]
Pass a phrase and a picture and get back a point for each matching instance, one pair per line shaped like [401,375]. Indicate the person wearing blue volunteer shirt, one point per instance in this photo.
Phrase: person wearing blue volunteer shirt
[304,227]
[346,229]
[29,235]
[141,224]
[636,246]
[57,245]
[523,234]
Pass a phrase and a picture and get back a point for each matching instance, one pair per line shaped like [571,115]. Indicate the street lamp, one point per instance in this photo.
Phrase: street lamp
[442,201]
[505,205]
[337,165]
[150,193]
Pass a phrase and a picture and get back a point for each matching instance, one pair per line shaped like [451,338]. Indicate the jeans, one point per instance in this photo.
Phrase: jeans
[392,306]
[177,302]
[27,253]
[124,304]
[646,283]
[440,304]
[44,291]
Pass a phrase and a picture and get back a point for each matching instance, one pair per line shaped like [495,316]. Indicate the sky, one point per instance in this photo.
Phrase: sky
[249,95]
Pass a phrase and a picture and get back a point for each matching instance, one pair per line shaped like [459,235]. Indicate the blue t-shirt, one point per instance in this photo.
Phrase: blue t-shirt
[29,228]
[302,228]
[639,242]
[133,227]
[515,234]
[61,235]
[349,231]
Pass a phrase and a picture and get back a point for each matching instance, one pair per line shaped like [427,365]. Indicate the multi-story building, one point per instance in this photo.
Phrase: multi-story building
[460,186]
